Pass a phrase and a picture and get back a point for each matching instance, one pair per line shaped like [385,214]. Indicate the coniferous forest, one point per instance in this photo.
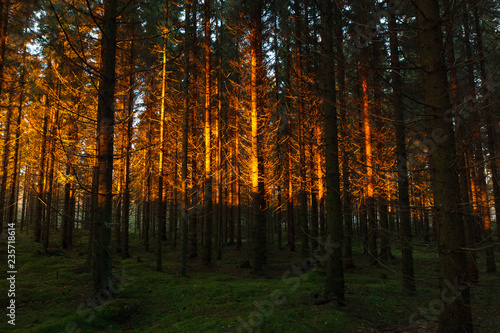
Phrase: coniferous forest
[250,166]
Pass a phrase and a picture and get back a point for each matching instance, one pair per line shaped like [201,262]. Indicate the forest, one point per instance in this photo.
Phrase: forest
[250,166]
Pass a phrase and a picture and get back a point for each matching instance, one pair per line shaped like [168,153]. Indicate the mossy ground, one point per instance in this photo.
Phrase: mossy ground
[54,294]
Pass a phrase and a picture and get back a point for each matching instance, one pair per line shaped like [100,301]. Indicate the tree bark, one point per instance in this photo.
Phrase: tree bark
[335,270]
[407,267]
[207,198]
[257,166]
[185,136]
[101,258]
[161,208]
[456,316]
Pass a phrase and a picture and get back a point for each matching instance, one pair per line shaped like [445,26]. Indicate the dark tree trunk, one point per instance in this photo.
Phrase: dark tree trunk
[101,258]
[456,316]
[334,270]
[402,162]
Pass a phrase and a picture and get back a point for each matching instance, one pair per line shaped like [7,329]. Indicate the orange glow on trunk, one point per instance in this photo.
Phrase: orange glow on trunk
[368,141]
[254,162]
[319,170]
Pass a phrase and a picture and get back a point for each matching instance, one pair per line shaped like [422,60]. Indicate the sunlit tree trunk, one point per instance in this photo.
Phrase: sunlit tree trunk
[69,187]
[174,211]
[41,175]
[4,23]
[5,159]
[26,197]
[218,177]
[50,205]
[13,198]
[161,208]
[118,198]
[128,150]
[257,176]
[207,198]
[456,315]
[146,205]
[238,176]
[320,183]
[367,142]
[290,218]
[194,192]
[313,188]
[185,136]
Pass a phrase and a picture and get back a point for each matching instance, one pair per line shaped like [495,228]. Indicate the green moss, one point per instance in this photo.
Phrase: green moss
[54,294]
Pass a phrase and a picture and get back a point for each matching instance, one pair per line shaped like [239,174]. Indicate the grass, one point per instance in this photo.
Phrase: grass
[53,294]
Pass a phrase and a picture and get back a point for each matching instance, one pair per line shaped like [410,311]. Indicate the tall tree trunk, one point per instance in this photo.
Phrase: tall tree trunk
[342,104]
[367,142]
[218,177]
[238,176]
[101,258]
[69,187]
[289,196]
[207,198]
[304,232]
[161,208]
[13,198]
[461,137]
[147,217]
[314,195]
[41,177]
[185,136]
[290,218]
[257,172]
[402,161]
[4,23]
[456,316]
[334,269]
[50,181]
[490,123]
[128,149]
[5,159]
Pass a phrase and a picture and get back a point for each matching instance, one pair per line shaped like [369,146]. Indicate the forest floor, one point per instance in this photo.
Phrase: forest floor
[54,294]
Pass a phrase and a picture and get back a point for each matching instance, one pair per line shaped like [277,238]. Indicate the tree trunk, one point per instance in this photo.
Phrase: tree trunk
[161,208]
[402,162]
[69,187]
[101,258]
[4,23]
[334,269]
[257,166]
[128,149]
[50,181]
[41,178]
[304,229]
[207,198]
[456,316]
[490,123]
[13,198]
[460,138]
[185,136]
[344,132]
